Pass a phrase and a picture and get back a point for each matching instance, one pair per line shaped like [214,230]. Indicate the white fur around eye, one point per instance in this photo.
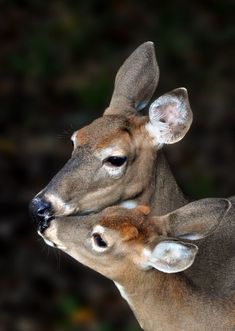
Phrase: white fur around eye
[115,172]
[100,230]
[104,153]
[96,248]
[112,171]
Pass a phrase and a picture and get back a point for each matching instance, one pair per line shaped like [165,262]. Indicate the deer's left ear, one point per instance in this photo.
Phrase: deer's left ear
[196,220]
[170,117]
[171,256]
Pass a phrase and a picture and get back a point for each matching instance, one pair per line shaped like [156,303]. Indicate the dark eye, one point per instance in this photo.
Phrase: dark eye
[116,161]
[98,240]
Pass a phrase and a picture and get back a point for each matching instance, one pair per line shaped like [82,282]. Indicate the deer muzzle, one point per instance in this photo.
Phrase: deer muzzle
[41,212]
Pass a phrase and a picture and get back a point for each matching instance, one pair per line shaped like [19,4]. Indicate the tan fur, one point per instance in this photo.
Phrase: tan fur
[160,301]
[135,81]
[83,186]
[181,302]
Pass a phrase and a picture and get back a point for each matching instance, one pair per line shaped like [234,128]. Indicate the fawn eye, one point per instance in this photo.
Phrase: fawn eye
[98,240]
[116,161]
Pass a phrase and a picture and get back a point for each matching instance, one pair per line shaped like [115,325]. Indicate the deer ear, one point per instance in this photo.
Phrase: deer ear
[170,117]
[196,220]
[172,256]
[135,81]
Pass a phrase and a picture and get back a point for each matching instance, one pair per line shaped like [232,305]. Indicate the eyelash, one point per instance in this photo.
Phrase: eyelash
[115,161]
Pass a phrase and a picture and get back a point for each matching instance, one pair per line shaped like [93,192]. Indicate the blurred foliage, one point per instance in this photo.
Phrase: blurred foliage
[58,61]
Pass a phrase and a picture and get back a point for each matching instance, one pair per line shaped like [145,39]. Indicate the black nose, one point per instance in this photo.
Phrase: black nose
[40,210]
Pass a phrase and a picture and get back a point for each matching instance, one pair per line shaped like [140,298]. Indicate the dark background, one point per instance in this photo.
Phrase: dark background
[57,66]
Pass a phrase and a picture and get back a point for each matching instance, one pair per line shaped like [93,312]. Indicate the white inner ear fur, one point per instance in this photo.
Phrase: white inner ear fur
[170,118]
[171,256]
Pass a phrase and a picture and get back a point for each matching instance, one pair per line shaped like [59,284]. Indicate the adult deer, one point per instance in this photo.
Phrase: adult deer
[148,256]
[117,158]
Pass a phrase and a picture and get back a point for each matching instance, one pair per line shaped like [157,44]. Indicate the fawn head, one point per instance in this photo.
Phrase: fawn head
[116,242]
[114,157]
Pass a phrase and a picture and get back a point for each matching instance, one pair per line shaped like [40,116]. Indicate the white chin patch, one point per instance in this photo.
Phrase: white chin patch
[48,242]
[128,204]
[122,292]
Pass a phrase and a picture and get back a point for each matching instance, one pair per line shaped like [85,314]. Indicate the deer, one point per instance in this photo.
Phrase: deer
[118,158]
[148,257]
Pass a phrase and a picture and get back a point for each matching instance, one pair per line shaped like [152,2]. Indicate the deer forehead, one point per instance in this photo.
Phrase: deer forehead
[100,129]
[106,130]
[128,224]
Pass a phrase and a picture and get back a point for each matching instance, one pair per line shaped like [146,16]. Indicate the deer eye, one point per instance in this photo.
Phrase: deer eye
[99,241]
[116,161]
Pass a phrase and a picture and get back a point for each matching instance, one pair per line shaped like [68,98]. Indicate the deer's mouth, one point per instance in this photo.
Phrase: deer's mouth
[47,241]
[49,235]
[44,223]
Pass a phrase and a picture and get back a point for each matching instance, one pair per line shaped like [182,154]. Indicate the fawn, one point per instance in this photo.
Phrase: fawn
[148,258]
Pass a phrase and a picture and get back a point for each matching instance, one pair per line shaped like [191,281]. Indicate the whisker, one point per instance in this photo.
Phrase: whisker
[66,133]
[57,255]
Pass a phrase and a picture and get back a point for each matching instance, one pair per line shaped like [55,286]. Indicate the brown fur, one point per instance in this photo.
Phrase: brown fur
[133,218]
[82,187]
[160,301]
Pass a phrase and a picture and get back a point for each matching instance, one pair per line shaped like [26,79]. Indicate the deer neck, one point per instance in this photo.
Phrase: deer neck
[166,195]
[166,302]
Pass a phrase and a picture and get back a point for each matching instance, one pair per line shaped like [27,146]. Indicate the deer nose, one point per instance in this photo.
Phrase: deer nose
[40,210]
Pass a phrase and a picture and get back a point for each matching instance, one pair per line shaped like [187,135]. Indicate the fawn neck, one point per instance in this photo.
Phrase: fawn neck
[168,302]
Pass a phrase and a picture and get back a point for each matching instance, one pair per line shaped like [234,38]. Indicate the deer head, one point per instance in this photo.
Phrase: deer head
[119,243]
[113,160]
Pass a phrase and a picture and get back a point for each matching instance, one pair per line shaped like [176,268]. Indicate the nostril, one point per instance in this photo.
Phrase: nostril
[39,208]
[40,211]
[43,208]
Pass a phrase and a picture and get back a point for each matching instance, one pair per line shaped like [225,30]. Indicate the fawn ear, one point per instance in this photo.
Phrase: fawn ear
[196,220]
[135,81]
[171,256]
[170,117]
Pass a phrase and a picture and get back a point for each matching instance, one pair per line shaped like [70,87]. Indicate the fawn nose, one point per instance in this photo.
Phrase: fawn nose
[40,210]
